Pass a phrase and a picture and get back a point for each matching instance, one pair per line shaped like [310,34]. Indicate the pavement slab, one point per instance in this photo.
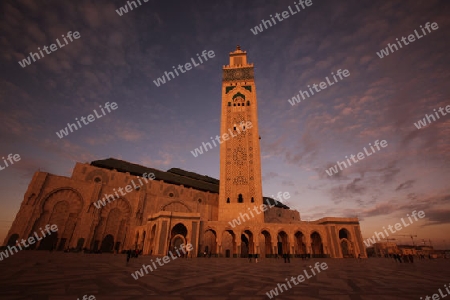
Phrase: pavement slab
[40,275]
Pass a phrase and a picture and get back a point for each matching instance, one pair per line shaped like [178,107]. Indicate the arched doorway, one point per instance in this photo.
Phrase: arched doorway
[266,244]
[107,244]
[300,246]
[49,242]
[344,234]
[12,240]
[179,229]
[229,243]
[316,244]
[177,241]
[345,248]
[62,208]
[283,245]
[80,244]
[114,220]
[244,245]
[251,243]
[345,243]
[209,242]
[177,236]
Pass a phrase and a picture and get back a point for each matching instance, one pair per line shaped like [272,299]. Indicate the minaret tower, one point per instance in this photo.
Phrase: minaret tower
[240,157]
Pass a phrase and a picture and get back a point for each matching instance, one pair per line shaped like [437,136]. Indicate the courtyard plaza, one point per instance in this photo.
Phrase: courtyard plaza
[60,276]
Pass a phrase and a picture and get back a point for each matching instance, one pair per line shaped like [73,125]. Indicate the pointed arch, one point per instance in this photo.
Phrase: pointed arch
[114,220]
[316,243]
[61,207]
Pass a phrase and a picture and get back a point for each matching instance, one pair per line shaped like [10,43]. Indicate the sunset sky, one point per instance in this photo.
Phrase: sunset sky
[117,58]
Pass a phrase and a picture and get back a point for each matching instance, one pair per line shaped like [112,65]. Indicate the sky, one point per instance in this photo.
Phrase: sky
[117,58]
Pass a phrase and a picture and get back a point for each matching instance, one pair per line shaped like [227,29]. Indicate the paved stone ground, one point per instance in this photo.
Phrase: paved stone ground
[60,276]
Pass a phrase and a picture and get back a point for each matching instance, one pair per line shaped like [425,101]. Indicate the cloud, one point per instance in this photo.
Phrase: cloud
[405,185]
[347,191]
[437,216]
[269,175]
[164,161]
[323,174]
[287,183]
[380,209]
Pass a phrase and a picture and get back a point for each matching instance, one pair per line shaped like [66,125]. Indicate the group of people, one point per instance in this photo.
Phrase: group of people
[407,258]
[250,256]
[133,253]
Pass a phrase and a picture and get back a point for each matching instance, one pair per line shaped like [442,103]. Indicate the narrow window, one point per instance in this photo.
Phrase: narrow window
[240,199]
[228,200]
[248,103]
[253,200]
[229,103]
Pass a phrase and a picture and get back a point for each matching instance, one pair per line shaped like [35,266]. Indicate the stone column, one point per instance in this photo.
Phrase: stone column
[308,243]
[291,245]
[219,243]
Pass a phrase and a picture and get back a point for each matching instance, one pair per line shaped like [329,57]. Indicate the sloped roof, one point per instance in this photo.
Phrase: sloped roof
[173,176]
[271,201]
[193,175]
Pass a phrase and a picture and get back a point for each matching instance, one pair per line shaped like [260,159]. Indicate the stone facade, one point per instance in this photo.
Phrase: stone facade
[156,216]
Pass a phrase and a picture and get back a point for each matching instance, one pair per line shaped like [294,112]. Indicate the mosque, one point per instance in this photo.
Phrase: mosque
[179,206]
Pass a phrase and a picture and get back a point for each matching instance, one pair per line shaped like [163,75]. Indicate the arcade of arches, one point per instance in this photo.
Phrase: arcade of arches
[269,243]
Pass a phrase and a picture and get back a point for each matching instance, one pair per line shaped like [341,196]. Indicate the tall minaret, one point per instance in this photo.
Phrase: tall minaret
[240,157]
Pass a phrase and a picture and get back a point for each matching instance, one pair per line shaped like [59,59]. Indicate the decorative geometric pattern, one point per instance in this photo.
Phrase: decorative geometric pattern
[238,74]
[239,156]
[70,276]
[238,118]
[241,135]
[240,180]
[113,222]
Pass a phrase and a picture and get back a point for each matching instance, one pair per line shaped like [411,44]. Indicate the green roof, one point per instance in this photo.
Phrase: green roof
[173,176]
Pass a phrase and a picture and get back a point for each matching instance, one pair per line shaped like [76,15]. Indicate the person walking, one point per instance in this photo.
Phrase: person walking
[128,255]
